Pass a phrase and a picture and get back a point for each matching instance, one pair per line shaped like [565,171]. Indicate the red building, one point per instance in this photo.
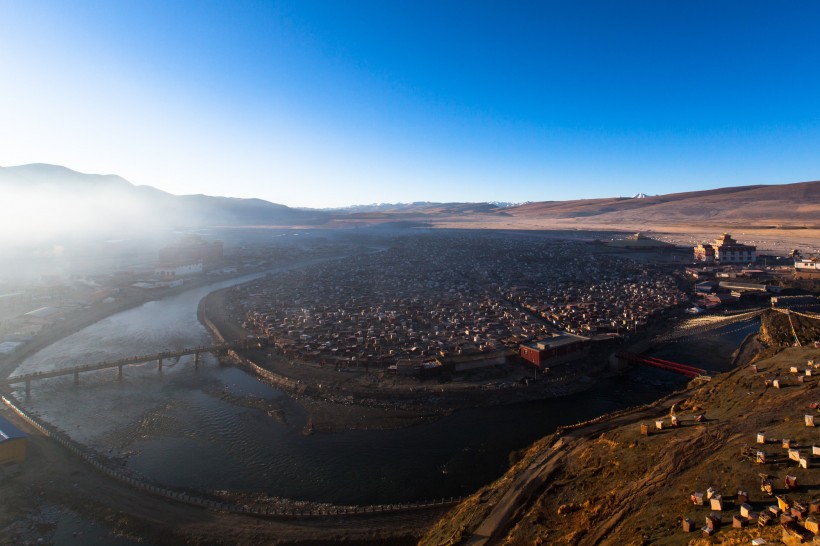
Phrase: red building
[557,349]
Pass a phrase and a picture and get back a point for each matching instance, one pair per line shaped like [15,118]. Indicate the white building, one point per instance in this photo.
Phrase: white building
[807,267]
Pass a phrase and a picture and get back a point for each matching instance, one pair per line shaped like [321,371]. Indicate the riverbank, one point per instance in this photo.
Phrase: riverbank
[370,399]
[127,298]
[52,478]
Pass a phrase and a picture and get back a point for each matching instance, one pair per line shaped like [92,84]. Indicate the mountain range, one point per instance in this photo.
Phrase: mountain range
[109,197]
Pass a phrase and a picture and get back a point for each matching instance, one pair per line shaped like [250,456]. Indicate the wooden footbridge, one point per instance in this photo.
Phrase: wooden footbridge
[683,369]
[119,364]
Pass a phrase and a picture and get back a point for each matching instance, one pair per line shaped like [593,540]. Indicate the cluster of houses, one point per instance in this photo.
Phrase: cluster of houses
[459,300]
[800,521]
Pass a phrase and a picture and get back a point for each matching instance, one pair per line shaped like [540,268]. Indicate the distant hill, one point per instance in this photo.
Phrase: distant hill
[777,205]
[786,206]
[55,196]
[50,198]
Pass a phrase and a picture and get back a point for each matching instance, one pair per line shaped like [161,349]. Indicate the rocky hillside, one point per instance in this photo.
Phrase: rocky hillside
[609,483]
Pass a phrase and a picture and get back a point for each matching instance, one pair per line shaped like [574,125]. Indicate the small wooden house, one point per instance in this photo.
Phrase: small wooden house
[793,370]
[713,521]
[745,510]
[644,429]
[785,443]
[786,519]
[814,506]
[804,462]
[791,482]
[776,383]
[812,524]
[760,457]
[815,450]
[697,498]
[742,497]
[659,424]
[688,525]
[798,511]
[764,518]
[794,455]
[783,503]
[716,503]
[761,438]
[711,492]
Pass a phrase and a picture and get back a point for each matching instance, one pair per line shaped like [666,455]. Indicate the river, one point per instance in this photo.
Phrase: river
[192,428]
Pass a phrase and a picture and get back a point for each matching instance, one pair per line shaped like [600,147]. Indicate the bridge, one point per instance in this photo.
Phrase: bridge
[128,361]
[683,369]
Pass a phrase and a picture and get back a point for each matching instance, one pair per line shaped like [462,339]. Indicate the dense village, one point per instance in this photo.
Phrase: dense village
[464,300]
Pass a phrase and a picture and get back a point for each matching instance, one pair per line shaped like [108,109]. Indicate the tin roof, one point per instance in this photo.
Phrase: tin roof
[8,431]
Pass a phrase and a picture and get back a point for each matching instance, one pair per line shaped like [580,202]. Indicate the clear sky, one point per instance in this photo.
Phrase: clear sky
[332,103]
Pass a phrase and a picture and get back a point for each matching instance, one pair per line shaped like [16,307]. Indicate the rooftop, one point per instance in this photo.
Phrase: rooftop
[556,340]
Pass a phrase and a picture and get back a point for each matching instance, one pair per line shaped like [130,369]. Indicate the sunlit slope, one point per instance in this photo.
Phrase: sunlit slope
[788,205]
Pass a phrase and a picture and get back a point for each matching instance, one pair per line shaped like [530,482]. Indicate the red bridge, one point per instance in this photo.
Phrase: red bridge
[683,369]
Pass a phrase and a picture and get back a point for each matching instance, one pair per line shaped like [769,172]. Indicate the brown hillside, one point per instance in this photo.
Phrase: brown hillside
[788,204]
[784,212]
[607,483]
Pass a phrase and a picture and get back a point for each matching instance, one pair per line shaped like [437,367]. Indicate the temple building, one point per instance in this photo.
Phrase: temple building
[725,250]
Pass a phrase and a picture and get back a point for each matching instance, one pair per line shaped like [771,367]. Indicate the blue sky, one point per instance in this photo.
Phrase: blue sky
[336,103]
